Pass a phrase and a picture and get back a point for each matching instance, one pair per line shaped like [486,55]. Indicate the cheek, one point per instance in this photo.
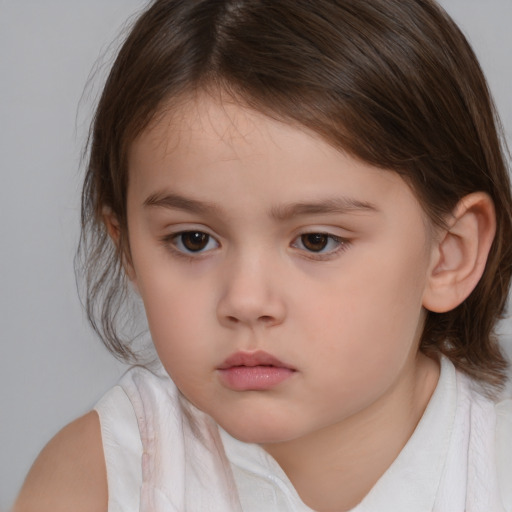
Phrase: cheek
[174,313]
[180,336]
[176,309]
[368,319]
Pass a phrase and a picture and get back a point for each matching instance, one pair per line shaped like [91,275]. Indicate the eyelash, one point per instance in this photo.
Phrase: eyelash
[341,244]
[175,240]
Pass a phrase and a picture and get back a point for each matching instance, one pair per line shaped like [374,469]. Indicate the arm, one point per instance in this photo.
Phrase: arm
[70,472]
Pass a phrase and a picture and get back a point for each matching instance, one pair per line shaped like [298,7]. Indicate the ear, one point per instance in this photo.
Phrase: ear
[460,254]
[114,230]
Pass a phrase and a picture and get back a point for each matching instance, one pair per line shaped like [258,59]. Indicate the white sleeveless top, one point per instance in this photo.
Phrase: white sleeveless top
[164,455]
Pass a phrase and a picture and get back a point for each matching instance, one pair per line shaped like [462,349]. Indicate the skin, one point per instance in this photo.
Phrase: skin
[70,472]
[347,318]
[344,308]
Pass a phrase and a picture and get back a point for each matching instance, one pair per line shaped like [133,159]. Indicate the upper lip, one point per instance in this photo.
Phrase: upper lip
[259,358]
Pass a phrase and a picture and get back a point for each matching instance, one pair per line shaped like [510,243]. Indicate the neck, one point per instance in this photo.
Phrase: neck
[333,469]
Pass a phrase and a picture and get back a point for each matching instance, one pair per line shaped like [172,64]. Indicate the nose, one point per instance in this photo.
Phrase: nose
[252,294]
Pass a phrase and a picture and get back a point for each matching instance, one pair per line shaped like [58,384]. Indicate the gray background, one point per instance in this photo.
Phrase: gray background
[52,368]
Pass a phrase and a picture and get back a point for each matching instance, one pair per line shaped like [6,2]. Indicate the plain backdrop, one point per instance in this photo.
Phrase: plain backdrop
[52,368]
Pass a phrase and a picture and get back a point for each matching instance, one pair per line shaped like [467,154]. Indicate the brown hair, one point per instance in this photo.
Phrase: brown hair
[393,82]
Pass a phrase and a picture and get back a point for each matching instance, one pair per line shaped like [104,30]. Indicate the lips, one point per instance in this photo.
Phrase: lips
[251,359]
[253,371]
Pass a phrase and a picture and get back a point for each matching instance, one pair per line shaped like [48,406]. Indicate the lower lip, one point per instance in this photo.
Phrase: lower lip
[254,378]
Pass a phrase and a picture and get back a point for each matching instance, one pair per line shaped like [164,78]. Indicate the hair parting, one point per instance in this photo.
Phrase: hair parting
[392,82]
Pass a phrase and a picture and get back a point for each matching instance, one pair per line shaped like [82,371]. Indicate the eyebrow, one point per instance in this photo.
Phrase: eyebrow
[335,205]
[179,202]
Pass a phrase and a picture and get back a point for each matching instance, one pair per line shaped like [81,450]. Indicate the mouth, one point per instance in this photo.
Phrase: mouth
[251,359]
[253,371]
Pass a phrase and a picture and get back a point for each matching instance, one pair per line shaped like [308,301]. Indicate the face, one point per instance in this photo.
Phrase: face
[283,280]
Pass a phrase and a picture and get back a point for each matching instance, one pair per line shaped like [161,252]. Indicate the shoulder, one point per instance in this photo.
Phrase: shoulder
[69,473]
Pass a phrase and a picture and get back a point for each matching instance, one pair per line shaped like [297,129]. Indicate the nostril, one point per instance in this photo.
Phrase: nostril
[266,319]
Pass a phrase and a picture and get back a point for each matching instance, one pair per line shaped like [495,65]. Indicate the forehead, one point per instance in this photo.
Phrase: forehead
[220,127]
[223,152]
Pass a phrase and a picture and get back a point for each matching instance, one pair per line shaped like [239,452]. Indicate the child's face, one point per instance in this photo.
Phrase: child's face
[250,235]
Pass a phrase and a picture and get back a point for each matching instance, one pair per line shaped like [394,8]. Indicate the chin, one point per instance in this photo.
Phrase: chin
[259,432]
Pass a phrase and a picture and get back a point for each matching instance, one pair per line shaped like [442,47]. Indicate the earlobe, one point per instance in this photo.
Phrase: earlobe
[112,225]
[113,228]
[461,253]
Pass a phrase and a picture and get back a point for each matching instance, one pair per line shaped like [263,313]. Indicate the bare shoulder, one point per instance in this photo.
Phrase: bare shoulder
[69,473]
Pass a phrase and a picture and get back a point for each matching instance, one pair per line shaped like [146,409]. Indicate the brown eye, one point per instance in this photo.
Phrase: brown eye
[315,242]
[192,241]
[321,245]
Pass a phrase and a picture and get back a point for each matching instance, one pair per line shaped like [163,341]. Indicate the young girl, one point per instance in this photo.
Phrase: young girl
[311,201]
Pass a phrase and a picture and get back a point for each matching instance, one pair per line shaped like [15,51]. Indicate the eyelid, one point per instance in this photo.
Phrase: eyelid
[169,242]
[342,244]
